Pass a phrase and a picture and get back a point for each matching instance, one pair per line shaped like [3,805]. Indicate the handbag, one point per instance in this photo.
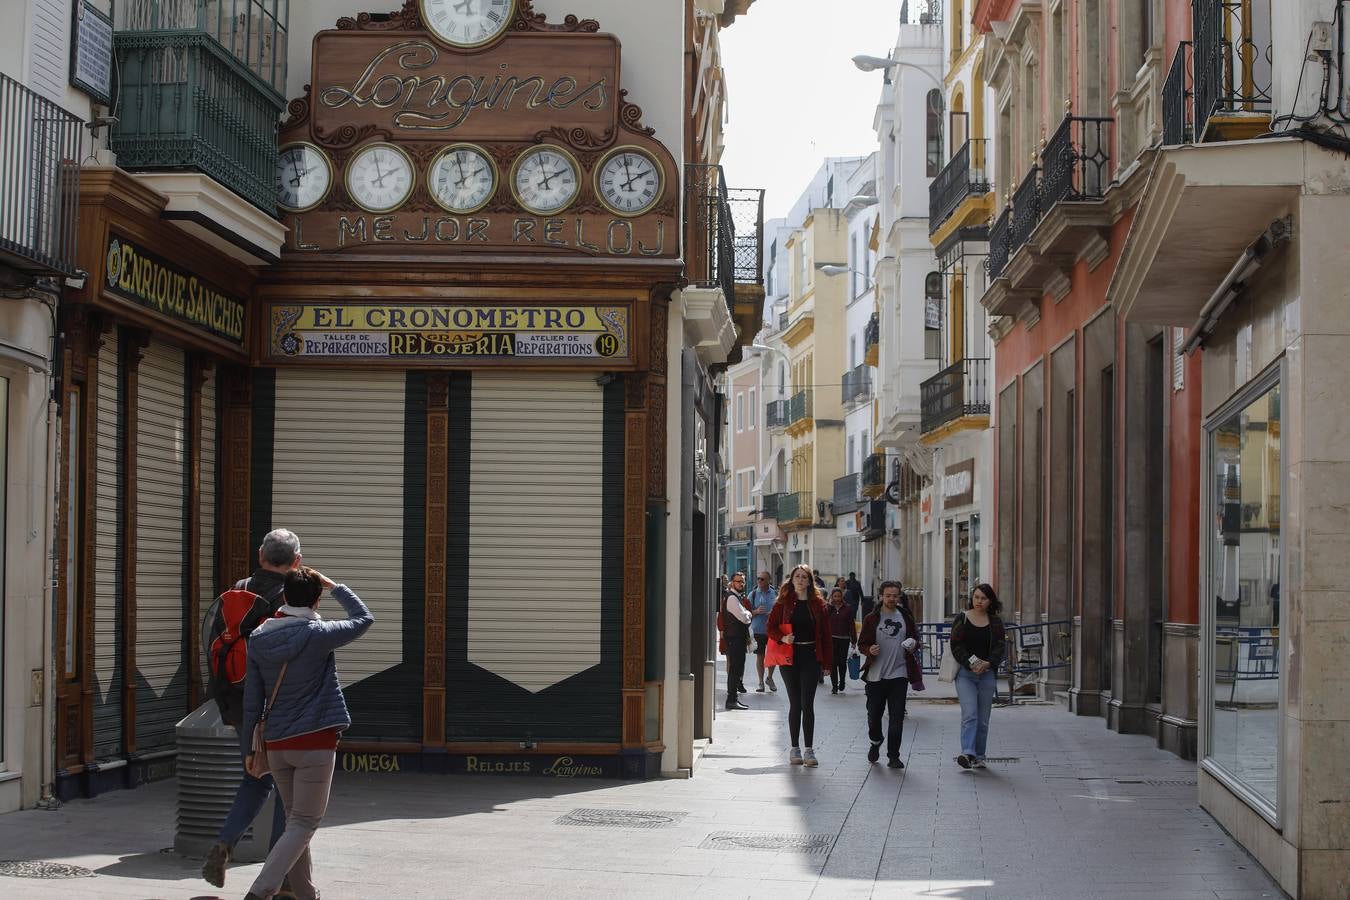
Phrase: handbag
[778,653]
[854,665]
[949,667]
[257,764]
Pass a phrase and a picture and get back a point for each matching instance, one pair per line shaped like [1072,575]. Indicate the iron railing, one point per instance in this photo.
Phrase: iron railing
[747,218]
[1026,209]
[782,321]
[1000,244]
[799,407]
[776,414]
[252,31]
[871,334]
[921,12]
[768,506]
[857,383]
[961,389]
[1176,96]
[847,493]
[874,473]
[965,175]
[1233,58]
[794,507]
[1075,164]
[39,181]
[710,231]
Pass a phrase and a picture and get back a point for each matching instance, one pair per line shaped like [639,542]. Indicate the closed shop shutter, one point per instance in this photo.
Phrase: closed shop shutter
[161,545]
[341,482]
[208,589]
[542,632]
[107,636]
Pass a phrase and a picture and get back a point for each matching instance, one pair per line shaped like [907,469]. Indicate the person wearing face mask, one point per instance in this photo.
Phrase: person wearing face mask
[890,650]
[800,620]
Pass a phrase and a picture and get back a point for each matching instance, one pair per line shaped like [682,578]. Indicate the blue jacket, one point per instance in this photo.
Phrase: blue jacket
[310,698]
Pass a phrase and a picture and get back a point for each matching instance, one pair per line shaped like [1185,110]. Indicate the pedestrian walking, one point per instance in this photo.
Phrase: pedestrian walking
[889,646]
[761,602]
[302,712]
[736,633]
[278,555]
[843,636]
[799,619]
[977,646]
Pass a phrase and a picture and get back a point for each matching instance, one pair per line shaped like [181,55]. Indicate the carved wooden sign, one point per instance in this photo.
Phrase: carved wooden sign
[412,137]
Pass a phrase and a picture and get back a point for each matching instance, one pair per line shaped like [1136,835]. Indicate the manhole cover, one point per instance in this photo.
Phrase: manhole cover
[774,843]
[36,868]
[621,818]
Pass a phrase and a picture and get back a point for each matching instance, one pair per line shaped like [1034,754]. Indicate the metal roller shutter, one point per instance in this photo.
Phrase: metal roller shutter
[338,482]
[208,589]
[161,539]
[535,568]
[107,636]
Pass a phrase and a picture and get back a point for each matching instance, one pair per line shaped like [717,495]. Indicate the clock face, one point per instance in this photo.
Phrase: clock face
[379,177]
[303,177]
[462,178]
[629,181]
[545,179]
[467,23]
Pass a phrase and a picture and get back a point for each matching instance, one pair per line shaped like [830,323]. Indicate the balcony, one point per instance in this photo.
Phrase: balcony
[1000,243]
[768,506]
[795,509]
[776,414]
[201,90]
[724,243]
[39,182]
[1177,122]
[847,493]
[872,341]
[799,408]
[857,384]
[960,390]
[1233,63]
[783,321]
[964,176]
[874,475]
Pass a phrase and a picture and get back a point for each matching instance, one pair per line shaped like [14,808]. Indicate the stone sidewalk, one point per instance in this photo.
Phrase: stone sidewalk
[1070,811]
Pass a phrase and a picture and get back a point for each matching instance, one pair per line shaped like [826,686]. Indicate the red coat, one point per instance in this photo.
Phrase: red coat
[782,613]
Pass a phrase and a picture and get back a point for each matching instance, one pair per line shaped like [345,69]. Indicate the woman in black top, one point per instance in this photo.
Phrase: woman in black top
[977,644]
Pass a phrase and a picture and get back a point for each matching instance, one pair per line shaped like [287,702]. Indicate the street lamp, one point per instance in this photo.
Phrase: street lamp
[867,63]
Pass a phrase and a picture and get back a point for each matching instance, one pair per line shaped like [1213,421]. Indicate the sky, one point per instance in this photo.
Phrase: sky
[794,96]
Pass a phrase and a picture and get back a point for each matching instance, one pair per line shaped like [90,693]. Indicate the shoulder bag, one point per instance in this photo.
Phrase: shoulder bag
[257,764]
[949,666]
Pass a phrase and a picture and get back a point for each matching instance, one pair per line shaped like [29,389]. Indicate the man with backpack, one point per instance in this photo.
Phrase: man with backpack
[252,601]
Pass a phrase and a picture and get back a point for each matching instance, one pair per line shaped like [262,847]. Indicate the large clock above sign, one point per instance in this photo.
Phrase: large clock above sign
[472,125]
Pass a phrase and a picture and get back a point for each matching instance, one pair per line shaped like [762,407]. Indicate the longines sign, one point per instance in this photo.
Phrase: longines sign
[526,84]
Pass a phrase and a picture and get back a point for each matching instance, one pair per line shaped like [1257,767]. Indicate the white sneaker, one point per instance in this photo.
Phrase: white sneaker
[795,756]
[809,758]
[977,762]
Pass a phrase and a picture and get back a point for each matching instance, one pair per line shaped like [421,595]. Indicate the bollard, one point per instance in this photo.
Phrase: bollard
[209,772]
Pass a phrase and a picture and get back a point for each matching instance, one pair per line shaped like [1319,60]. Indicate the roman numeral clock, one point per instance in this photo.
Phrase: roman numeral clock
[467,23]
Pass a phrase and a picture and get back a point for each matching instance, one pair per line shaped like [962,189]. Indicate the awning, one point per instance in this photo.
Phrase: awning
[768,470]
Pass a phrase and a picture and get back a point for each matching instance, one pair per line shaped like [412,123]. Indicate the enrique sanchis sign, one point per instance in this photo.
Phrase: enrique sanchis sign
[149,280]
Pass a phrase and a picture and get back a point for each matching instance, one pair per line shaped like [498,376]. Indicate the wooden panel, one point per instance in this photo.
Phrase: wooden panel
[107,632]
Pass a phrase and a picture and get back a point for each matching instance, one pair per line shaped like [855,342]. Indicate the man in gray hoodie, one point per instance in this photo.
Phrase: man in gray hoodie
[292,688]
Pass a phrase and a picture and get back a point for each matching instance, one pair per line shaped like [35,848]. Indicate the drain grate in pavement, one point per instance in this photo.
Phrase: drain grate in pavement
[815,844]
[36,868]
[621,818]
[1002,760]
[1160,782]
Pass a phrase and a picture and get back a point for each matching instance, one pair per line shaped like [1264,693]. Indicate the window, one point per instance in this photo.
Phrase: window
[933,132]
[853,265]
[753,417]
[782,379]
[852,351]
[740,412]
[1244,554]
[852,460]
[745,480]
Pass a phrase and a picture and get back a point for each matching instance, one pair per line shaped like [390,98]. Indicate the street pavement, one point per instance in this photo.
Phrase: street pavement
[1066,811]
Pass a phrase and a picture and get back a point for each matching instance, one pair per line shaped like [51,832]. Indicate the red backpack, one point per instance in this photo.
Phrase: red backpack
[236,613]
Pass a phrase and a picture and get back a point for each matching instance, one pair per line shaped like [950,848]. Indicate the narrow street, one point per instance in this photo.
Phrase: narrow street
[1066,811]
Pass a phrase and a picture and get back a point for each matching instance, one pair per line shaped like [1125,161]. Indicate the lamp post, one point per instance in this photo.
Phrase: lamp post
[866,63]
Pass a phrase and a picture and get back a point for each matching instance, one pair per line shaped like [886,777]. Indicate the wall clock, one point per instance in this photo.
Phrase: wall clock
[467,23]
[380,177]
[462,178]
[629,181]
[545,179]
[304,177]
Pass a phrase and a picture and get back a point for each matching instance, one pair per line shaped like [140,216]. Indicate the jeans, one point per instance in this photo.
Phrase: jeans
[249,798]
[735,668]
[801,679]
[839,670]
[303,778]
[976,693]
[887,695]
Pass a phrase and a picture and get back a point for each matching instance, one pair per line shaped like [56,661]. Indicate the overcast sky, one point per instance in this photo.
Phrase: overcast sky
[794,95]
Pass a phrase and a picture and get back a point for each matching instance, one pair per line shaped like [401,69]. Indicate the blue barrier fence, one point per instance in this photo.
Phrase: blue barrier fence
[1030,649]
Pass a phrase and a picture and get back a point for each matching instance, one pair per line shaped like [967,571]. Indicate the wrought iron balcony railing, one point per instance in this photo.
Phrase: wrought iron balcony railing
[961,389]
[964,175]
[795,507]
[747,217]
[1176,96]
[782,321]
[847,493]
[1233,58]
[1026,208]
[799,407]
[857,383]
[768,506]
[872,333]
[1075,164]
[1000,244]
[710,230]
[252,31]
[39,181]
[188,103]
[873,474]
[776,414]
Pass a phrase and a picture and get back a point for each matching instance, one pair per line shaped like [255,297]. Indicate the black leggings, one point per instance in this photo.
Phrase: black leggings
[801,679]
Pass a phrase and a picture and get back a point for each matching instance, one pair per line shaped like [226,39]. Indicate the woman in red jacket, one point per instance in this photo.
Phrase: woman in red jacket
[801,606]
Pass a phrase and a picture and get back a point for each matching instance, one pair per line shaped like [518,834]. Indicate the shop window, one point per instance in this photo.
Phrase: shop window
[1242,680]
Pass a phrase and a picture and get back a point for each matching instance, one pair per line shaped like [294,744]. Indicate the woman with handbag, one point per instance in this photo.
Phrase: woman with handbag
[295,731]
[799,620]
[889,644]
[977,649]
[842,637]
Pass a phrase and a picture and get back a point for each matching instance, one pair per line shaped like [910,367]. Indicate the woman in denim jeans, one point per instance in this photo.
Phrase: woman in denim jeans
[977,644]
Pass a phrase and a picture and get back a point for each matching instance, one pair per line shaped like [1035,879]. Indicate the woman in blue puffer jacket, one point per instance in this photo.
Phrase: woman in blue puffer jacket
[303,724]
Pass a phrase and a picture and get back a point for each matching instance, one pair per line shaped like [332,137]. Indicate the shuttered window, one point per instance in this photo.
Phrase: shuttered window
[107,636]
[208,588]
[161,545]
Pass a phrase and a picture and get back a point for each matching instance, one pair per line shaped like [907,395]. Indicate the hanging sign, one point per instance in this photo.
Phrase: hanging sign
[147,279]
[450,333]
[91,53]
[926,510]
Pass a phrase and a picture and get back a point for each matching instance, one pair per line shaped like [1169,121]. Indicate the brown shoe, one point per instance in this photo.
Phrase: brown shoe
[213,870]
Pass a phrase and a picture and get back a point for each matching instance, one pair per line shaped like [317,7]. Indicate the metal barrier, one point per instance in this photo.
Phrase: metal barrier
[1030,649]
[1245,654]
